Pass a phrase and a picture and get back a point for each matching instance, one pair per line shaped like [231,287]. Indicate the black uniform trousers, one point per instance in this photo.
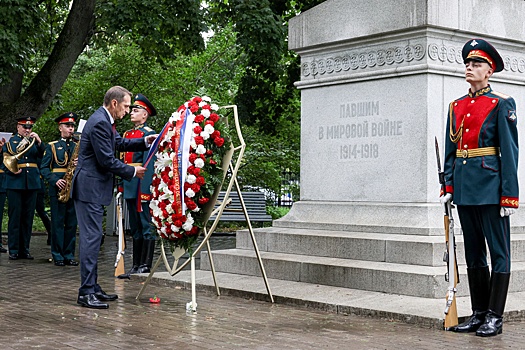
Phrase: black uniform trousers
[21,210]
[63,229]
[482,223]
[140,223]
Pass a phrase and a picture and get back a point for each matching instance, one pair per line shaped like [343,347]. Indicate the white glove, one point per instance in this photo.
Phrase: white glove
[504,211]
[446,198]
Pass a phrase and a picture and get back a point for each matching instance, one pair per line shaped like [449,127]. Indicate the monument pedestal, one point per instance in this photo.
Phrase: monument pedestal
[376,81]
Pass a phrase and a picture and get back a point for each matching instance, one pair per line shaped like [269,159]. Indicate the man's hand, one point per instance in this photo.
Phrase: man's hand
[36,137]
[61,184]
[140,171]
[504,211]
[446,198]
[2,142]
[151,138]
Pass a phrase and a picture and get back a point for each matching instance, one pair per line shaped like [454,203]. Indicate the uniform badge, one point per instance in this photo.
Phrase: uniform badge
[59,148]
[473,43]
[512,115]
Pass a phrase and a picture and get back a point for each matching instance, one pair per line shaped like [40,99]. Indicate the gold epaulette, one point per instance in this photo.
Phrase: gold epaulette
[502,95]
[52,142]
[148,129]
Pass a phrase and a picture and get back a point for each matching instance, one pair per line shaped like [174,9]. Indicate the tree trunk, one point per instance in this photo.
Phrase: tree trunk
[47,83]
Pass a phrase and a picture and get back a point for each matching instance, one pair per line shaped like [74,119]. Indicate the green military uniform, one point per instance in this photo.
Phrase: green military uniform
[138,193]
[63,217]
[22,190]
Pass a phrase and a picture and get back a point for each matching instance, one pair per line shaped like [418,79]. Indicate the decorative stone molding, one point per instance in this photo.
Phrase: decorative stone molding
[362,60]
[396,55]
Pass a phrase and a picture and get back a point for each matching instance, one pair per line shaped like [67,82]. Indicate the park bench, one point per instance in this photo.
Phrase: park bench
[255,203]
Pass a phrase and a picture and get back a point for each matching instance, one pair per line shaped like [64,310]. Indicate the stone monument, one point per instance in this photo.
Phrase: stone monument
[376,80]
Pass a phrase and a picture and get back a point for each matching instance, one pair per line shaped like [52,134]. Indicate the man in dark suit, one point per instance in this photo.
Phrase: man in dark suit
[481,173]
[92,186]
[22,184]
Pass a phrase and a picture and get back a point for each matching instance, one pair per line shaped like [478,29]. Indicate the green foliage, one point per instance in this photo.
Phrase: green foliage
[277,212]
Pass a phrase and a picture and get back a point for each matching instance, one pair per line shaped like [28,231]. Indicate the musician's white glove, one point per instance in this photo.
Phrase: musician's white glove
[504,211]
[446,198]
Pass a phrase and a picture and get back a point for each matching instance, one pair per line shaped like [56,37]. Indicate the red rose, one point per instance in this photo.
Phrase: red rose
[194,231]
[177,223]
[209,152]
[195,187]
[219,141]
[200,180]
[165,213]
[199,140]
[215,134]
[194,107]
[199,118]
[197,129]
[193,157]
[212,162]
[203,200]
[214,117]
[209,122]
[197,99]
[208,107]
[191,205]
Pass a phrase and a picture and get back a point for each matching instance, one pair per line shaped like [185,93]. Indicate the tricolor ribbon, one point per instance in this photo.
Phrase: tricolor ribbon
[152,151]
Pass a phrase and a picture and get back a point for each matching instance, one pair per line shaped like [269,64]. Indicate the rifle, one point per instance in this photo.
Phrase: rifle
[451,312]
[119,263]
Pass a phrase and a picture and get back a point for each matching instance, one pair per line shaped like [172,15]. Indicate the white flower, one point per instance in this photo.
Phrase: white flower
[200,149]
[189,193]
[191,179]
[206,98]
[209,128]
[214,107]
[197,209]
[193,144]
[187,226]
[199,163]
[175,116]
[202,103]
[205,135]
[175,228]
[206,113]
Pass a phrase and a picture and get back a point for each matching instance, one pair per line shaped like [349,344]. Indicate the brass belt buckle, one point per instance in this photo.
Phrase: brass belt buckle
[464,153]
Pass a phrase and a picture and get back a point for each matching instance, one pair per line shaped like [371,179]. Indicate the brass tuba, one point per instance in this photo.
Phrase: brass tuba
[65,193]
[11,160]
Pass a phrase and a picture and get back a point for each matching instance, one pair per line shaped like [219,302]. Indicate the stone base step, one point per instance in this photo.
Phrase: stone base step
[425,312]
[392,248]
[413,280]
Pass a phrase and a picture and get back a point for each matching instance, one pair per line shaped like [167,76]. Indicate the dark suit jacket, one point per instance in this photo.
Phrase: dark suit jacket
[93,178]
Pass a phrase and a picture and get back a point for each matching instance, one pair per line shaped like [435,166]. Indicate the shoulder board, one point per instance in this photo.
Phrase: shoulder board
[52,142]
[148,129]
[500,95]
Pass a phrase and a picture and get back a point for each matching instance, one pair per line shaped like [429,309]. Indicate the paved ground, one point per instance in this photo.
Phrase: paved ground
[38,310]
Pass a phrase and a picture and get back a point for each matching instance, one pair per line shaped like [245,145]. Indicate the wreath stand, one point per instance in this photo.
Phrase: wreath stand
[228,165]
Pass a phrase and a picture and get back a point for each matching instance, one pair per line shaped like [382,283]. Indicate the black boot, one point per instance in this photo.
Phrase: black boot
[147,256]
[498,296]
[137,254]
[479,285]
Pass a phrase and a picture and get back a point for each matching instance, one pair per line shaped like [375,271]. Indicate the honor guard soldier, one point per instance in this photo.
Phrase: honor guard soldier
[60,158]
[21,154]
[140,218]
[481,161]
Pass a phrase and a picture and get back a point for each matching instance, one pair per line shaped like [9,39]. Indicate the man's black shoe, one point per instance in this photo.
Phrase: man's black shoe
[91,301]
[105,297]
[71,262]
[60,263]
[3,250]
[26,256]
[13,256]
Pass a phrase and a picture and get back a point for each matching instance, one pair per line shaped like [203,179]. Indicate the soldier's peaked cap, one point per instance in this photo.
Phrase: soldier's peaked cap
[26,120]
[141,101]
[480,50]
[67,118]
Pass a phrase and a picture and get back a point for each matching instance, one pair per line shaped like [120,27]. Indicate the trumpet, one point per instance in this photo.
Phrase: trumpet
[11,159]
